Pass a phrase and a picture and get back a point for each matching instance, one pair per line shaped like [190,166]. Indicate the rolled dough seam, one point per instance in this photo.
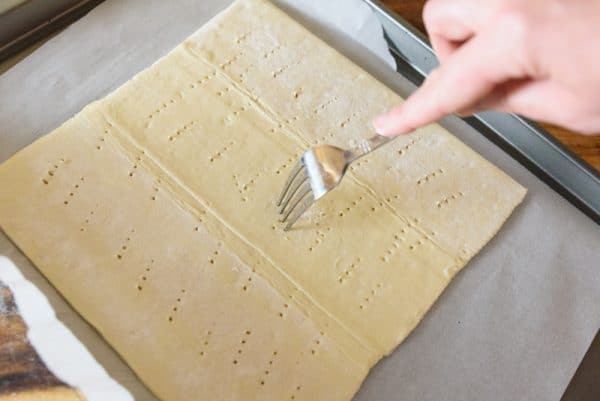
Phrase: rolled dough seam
[265,109]
[304,143]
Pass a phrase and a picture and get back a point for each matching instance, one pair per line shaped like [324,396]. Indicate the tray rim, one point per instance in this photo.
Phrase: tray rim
[36,25]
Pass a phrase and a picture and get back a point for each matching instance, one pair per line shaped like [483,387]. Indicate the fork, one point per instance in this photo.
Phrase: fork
[318,171]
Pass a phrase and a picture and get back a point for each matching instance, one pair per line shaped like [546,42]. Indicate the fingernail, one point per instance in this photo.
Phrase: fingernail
[381,124]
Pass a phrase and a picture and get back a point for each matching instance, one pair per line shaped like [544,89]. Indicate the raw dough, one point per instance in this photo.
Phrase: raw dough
[153,212]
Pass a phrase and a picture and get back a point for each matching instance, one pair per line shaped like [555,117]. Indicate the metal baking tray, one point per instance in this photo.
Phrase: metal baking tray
[24,22]
[524,140]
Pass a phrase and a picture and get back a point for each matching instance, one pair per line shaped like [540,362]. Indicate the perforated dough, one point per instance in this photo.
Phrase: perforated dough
[152,211]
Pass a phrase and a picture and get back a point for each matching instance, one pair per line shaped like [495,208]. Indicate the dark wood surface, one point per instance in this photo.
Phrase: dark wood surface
[587,147]
[585,385]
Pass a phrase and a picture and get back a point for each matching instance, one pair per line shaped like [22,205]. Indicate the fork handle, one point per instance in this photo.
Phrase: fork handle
[366,146]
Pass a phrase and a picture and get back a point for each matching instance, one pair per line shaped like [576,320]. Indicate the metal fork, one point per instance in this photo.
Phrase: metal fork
[317,172]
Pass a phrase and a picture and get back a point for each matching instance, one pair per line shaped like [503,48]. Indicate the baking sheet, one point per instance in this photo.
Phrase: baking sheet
[513,325]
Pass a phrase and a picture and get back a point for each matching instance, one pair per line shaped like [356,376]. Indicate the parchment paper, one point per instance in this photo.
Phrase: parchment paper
[512,326]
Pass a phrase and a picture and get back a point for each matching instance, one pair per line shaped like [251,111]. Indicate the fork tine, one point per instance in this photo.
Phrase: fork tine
[299,211]
[301,179]
[306,189]
[295,171]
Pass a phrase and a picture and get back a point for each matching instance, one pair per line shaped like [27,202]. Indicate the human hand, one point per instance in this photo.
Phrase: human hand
[538,58]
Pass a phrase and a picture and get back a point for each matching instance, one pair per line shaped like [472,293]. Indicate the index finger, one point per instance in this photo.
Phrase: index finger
[466,77]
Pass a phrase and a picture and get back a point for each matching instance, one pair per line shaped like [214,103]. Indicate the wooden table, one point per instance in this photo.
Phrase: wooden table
[587,147]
